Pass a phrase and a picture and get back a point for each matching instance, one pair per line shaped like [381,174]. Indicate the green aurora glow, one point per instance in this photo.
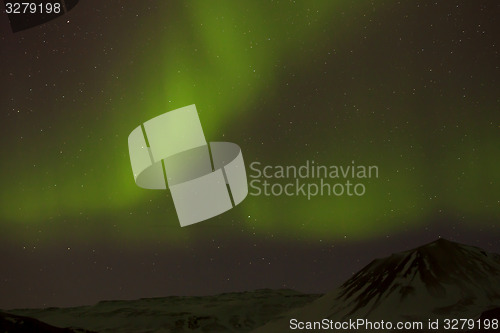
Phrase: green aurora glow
[288,82]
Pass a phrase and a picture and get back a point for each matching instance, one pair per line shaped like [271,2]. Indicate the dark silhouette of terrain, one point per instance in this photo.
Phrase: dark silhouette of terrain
[21,20]
[18,324]
[489,314]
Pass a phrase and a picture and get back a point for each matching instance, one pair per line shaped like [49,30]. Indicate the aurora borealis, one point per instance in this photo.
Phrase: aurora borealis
[411,87]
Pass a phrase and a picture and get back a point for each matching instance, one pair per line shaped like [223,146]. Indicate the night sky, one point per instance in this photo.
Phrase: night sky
[411,87]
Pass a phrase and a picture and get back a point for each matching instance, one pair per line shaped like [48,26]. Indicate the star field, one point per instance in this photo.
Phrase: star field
[409,87]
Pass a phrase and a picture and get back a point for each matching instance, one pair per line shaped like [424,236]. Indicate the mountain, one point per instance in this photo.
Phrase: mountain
[18,324]
[229,312]
[439,280]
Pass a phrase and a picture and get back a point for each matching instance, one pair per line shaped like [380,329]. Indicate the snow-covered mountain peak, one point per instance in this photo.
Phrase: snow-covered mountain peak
[443,275]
